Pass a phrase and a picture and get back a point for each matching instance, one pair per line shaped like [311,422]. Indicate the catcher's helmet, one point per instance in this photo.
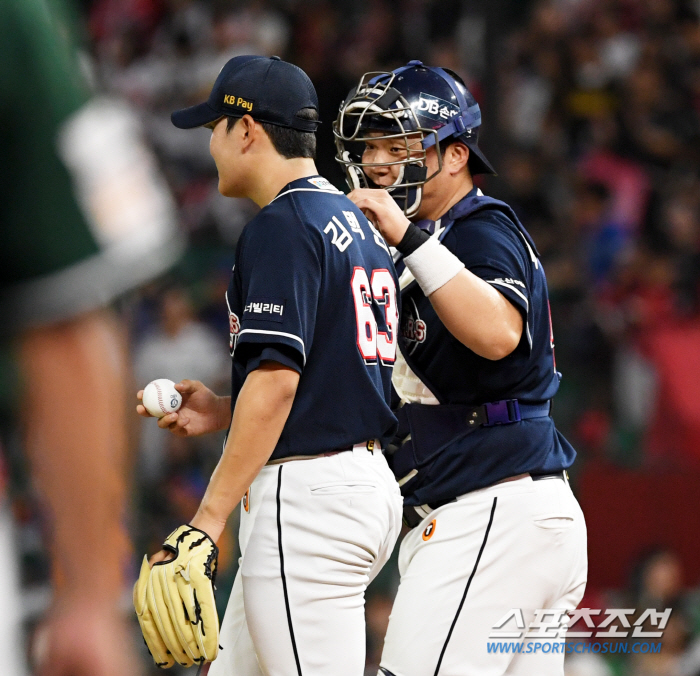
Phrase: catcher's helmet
[414,99]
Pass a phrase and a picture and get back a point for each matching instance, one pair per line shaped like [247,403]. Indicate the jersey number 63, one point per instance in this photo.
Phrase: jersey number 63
[381,289]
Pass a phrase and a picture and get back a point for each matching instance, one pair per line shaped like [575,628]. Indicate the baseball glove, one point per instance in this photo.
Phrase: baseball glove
[174,601]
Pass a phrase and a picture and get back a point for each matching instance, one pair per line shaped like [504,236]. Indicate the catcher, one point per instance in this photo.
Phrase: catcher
[494,524]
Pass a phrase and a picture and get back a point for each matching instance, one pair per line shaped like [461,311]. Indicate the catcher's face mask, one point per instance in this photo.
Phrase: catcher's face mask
[376,127]
[416,106]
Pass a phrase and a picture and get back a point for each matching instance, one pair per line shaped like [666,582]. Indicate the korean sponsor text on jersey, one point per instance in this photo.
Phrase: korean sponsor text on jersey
[314,288]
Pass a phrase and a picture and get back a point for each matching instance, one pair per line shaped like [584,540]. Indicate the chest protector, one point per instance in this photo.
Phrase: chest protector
[426,429]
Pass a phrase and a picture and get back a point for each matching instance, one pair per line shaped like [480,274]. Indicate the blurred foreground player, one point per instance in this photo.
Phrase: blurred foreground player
[495,526]
[313,328]
[74,234]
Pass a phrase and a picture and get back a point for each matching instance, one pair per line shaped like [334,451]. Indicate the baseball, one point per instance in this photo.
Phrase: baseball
[160,397]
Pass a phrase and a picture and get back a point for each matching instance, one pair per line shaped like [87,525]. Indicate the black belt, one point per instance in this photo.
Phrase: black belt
[412,518]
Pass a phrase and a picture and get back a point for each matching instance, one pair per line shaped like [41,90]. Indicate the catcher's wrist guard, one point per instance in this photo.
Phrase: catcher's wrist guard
[174,601]
[433,265]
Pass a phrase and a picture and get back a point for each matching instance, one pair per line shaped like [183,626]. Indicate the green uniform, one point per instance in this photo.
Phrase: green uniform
[84,214]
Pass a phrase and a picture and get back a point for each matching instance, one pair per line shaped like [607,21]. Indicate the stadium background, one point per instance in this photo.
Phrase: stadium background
[592,118]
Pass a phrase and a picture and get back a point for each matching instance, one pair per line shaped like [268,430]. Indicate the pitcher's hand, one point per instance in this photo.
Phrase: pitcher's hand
[202,411]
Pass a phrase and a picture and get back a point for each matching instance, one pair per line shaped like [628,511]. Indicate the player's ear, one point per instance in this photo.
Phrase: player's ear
[247,130]
[456,157]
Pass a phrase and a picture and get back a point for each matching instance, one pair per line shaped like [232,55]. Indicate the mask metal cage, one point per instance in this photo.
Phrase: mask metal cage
[375,110]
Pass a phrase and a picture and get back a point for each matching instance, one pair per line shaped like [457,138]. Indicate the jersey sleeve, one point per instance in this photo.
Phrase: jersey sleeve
[494,251]
[281,354]
[280,283]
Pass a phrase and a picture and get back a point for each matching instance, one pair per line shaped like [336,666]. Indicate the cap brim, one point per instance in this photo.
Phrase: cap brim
[195,116]
[478,164]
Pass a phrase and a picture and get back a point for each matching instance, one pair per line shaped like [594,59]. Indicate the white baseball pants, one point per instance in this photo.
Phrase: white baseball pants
[520,544]
[313,534]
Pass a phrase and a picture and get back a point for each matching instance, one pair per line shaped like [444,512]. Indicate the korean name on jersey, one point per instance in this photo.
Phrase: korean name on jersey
[314,287]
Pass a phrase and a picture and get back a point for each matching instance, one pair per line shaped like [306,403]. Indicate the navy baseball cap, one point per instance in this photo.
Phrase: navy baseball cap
[267,89]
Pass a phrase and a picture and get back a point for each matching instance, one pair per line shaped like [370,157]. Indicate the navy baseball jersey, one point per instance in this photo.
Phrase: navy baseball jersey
[487,237]
[314,288]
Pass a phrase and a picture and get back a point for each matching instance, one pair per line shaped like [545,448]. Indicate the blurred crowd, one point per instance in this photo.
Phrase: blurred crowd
[598,105]
[592,118]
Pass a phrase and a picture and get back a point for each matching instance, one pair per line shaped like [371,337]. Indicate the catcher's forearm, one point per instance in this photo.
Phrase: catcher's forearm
[261,411]
[75,418]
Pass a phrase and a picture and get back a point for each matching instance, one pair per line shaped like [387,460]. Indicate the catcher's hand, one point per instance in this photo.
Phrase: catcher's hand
[174,601]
